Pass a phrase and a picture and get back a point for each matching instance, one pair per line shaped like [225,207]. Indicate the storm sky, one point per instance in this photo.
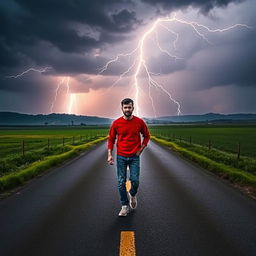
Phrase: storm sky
[76,38]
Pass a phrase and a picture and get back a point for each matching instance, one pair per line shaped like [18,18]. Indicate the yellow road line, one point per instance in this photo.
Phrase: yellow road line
[128,185]
[127,244]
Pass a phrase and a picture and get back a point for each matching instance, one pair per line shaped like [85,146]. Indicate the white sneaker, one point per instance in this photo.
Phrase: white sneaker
[124,210]
[132,201]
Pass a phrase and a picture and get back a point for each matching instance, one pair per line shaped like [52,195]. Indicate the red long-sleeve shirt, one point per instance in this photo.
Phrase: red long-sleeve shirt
[128,135]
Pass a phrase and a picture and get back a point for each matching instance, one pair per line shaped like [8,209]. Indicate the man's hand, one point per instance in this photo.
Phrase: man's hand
[110,160]
[138,153]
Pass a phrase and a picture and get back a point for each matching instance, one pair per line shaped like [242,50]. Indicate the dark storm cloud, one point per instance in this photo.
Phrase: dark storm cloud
[124,19]
[225,64]
[28,23]
[77,37]
[72,27]
[65,34]
[26,84]
[68,63]
[163,64]
[203,5]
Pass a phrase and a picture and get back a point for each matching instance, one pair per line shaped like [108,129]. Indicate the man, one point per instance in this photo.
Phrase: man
[129,148]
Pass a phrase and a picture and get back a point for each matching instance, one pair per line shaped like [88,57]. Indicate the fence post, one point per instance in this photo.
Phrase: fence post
[48,144]
[210,144]
[63,142]
[23,147]
[239,150]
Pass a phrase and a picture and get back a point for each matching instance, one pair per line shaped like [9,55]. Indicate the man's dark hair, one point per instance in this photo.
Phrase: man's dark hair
[126,101]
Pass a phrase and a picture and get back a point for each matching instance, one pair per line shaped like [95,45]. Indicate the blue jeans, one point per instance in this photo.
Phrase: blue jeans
[134,165]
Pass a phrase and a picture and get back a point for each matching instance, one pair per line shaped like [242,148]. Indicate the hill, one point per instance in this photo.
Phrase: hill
[209,117]
[13,118]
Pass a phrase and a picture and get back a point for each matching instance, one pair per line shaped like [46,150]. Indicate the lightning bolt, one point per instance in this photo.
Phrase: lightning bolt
[71,96]
[72,101]
[67,84]
[140,63]
[28,70]
[56,94]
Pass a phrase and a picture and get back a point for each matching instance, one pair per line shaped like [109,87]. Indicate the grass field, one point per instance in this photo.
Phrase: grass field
[27,151]
[224,138]
[21,146]
[223,141]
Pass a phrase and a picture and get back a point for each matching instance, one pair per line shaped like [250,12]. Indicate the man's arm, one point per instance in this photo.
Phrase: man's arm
[111,142]
[146,137]
[141,149]
[110,157]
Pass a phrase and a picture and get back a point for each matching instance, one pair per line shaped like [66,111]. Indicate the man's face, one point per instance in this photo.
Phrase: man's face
[127,109]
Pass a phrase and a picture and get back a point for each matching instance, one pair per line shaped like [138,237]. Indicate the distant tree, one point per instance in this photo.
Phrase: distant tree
[72,122]
[45,123]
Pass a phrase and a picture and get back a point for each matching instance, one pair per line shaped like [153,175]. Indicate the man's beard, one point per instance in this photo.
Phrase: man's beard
[128,113]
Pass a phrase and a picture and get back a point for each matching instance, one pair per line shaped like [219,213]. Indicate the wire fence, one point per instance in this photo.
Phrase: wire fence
[49,143]
[14,146]
[208,143]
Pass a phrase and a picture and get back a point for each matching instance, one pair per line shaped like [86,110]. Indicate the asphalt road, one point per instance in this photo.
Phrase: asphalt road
[182,210]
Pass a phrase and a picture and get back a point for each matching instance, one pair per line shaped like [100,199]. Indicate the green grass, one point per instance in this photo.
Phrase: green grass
[222,158]
[223,142]
[192,141]
[36,144]
[235,175]
[223,137]
[16,178]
